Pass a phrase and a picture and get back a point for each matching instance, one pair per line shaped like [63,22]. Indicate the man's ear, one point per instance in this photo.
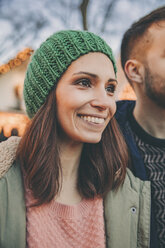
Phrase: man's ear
[134,70]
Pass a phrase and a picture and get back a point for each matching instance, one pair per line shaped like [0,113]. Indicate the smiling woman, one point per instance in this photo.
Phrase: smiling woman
[72,153]
[85,98]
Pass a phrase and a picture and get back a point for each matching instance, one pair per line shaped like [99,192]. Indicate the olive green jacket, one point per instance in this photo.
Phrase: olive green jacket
[127,211]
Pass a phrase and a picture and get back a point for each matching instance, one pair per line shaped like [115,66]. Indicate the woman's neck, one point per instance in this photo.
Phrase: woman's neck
[70,155]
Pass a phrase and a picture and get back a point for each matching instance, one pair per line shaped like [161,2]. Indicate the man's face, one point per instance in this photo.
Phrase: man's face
[154,81]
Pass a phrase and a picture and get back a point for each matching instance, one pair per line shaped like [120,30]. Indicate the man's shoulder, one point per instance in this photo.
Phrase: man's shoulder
[125,104]
[124,108]
[8,150]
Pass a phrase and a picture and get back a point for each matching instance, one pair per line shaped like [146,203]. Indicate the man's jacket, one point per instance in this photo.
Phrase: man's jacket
[127,211]
[124,110]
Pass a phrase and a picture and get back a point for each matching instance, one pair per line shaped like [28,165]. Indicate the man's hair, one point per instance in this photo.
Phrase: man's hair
[137,30]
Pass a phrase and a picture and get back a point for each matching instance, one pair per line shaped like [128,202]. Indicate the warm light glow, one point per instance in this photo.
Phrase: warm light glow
[8,121]
[127,93]
[17,61]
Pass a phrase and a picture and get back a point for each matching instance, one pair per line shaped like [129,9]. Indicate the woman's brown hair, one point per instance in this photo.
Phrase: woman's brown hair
[102,166]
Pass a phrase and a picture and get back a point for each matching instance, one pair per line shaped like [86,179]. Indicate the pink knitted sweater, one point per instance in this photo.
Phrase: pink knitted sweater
[56,225]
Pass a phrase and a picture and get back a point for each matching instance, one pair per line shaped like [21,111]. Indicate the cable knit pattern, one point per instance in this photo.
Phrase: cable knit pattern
[56,225]
[52,59]
[8,151]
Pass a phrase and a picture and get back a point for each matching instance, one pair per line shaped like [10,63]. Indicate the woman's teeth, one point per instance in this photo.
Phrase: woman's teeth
[93,119]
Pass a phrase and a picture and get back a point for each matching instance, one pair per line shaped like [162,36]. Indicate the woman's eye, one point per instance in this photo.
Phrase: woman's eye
[84,82]
[111,88]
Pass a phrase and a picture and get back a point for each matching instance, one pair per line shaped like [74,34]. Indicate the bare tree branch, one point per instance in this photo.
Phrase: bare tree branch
[33,20]
[108,14]
[83,9]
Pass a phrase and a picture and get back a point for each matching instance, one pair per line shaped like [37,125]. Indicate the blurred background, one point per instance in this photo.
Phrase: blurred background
[26,23]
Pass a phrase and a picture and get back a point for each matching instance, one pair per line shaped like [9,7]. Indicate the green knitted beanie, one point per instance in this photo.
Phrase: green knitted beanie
[52,59]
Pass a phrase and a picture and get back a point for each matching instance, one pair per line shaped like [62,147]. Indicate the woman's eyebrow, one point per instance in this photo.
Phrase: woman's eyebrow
[113,80]
[94,76]
[87,73]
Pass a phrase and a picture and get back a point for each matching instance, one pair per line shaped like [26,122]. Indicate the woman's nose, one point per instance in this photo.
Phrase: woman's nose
[101,100]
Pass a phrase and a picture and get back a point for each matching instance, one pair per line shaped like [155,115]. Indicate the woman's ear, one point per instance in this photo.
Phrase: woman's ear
[134,70]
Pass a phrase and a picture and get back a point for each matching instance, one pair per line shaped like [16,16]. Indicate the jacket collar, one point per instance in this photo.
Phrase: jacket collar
[124,109]
[8,150]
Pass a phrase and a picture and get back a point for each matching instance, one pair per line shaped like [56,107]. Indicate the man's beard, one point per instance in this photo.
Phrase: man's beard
[155,87]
